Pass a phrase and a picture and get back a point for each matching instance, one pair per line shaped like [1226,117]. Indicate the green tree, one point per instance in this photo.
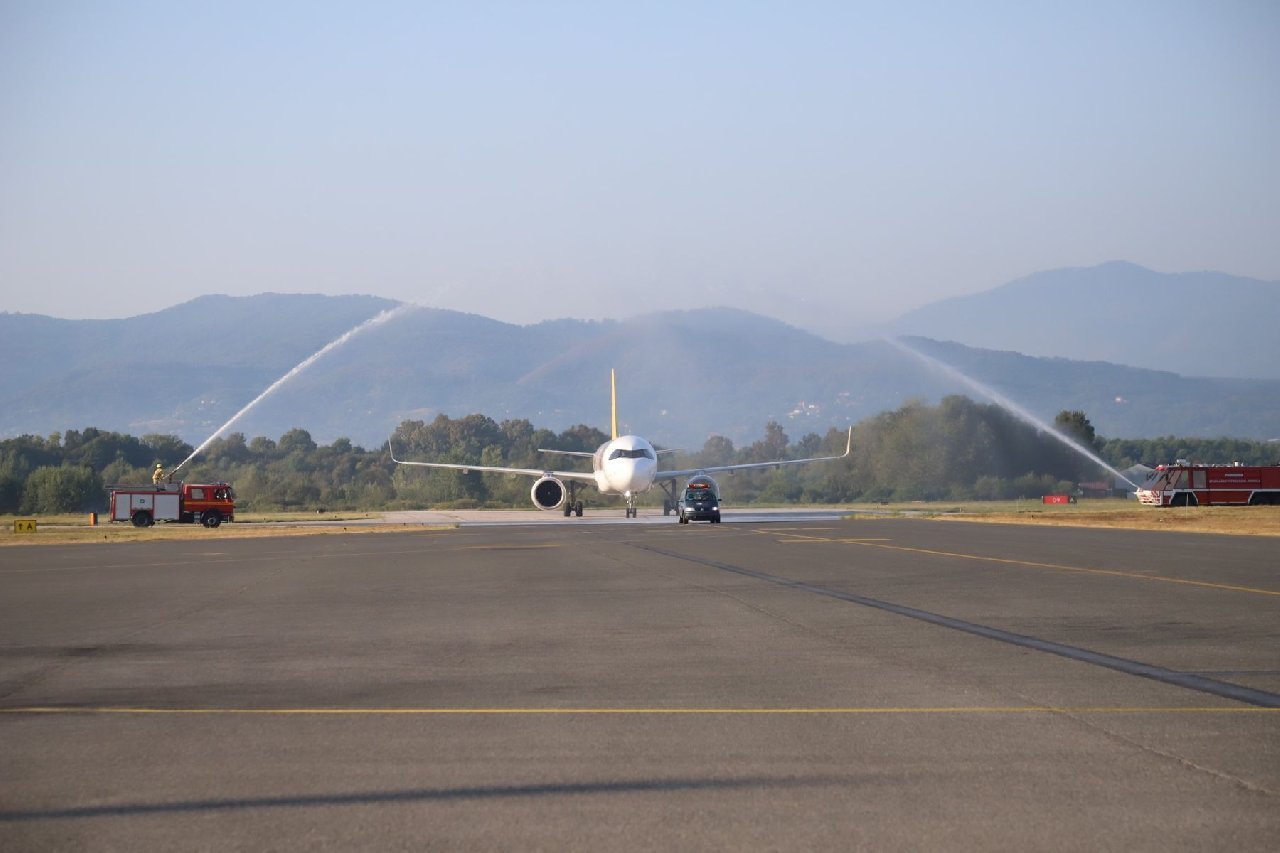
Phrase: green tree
[581,438]
[22,455]
[716,450]
[229,449]
[296,440]
[63,489]
[168,449]
[1075,425]
[10,494]
[262,447]
[120,471]
[773,445]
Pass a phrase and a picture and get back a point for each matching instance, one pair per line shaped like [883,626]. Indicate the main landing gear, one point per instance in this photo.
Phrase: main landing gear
[572,506]
[669,502]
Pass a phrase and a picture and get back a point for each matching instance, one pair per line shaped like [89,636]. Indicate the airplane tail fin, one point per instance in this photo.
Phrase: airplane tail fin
[613,401]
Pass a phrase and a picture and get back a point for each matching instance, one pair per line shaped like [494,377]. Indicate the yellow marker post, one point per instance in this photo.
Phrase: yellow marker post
[24,525]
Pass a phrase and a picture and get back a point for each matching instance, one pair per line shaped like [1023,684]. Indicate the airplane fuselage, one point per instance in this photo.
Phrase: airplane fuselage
[625,465]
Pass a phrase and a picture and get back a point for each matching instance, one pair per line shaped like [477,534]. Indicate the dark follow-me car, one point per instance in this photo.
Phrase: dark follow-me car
[700,501]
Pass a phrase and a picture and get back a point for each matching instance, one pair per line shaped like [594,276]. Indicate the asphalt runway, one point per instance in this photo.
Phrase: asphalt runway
[798,684]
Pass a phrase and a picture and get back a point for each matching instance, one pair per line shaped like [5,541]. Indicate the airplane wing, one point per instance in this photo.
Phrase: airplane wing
[582,453]
[576,476]
[745,466]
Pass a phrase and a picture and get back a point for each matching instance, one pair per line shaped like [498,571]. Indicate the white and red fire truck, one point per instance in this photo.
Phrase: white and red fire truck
[1194,484]
[208,503]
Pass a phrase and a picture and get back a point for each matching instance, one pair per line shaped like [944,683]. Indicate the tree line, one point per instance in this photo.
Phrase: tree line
[955,450]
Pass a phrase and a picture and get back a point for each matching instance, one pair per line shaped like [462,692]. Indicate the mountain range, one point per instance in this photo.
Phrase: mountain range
[683,375]
[1194,324]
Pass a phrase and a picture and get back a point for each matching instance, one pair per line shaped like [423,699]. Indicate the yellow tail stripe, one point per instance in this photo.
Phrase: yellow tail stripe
[613,401]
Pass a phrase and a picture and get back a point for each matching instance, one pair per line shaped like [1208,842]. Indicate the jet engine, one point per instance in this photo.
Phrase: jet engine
[548,493]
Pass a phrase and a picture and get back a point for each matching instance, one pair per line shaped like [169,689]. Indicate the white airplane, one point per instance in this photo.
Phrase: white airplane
[624,465]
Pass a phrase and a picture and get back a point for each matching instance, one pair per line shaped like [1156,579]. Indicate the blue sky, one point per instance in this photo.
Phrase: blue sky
[830,164]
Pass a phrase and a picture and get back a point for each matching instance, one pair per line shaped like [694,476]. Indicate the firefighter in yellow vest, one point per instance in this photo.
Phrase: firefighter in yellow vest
[157,476]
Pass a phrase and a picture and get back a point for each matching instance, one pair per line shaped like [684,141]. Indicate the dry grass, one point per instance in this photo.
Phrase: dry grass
[1241,521]
[75,529]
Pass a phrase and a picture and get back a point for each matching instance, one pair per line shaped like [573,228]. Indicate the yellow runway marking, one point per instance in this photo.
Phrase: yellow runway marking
[1015,709]
[773,529]
[874,543]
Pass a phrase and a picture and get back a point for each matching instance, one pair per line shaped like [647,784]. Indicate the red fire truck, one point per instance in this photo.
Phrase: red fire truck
[208,503]
[1193,484]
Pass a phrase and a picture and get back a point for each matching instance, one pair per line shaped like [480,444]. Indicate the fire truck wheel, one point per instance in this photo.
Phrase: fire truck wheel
[141,519]
[212,518]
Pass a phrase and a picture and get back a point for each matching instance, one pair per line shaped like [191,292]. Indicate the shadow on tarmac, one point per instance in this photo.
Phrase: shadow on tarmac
[423,795]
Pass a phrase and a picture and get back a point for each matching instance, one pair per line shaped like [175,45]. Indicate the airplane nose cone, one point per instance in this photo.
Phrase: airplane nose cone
[630,475]
[622,475]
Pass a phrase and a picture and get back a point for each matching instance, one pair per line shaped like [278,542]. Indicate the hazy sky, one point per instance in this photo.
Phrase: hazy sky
[825,163]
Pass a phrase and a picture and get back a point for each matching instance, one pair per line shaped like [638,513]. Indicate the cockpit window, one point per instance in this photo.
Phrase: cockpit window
[639,453]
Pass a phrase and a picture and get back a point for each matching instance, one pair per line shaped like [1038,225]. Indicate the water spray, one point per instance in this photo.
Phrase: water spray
[379,319]
[1006,404]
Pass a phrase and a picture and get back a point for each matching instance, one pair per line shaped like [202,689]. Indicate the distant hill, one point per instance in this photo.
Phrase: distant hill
[682,375]
[1194,324]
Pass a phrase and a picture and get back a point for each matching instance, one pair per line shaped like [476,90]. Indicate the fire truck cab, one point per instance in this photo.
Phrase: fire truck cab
[186,503]
[1194,484]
